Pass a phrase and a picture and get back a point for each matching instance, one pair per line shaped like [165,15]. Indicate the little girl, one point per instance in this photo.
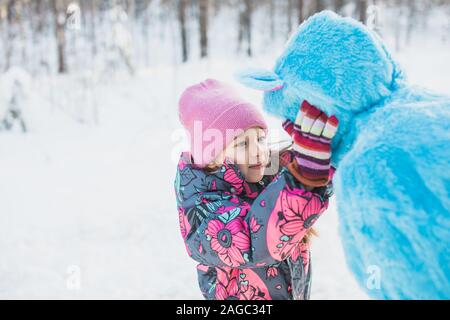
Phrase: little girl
[249,231]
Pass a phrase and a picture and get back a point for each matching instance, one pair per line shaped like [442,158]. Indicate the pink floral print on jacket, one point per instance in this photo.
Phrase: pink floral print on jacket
[248,239]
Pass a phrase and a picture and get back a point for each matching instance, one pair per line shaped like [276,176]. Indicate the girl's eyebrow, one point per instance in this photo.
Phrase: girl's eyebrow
[236,142]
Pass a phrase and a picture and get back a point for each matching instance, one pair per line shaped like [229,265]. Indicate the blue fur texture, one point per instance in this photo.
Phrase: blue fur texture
[392,152]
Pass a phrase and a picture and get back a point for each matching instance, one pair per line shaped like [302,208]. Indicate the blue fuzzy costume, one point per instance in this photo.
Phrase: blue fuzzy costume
[392,152]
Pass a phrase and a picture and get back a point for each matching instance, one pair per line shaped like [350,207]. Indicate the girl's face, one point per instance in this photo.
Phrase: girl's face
[250,152]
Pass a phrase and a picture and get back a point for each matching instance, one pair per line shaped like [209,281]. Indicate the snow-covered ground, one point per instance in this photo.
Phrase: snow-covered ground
[88,211]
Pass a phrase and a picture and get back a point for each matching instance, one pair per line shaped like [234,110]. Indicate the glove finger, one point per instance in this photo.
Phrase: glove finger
[319,125]
[288,126]
[309,118]
[301,114]
[330,127]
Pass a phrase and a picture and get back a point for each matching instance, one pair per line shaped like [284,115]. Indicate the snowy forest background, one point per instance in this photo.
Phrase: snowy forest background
[89,133]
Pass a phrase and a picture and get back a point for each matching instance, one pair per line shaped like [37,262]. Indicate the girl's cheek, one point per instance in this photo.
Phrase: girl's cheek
[264,156]
[243,169]
[241,157]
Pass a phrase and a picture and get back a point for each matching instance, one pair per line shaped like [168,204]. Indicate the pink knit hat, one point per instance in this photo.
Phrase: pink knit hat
[213,114]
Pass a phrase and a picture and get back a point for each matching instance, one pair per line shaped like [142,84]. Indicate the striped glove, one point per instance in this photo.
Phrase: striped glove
[312,133]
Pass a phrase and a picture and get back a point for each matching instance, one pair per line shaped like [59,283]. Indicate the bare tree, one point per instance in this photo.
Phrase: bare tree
[39,16]
[289,16]
[182,22]
[300,11]
[397,23]
[338,5]
[27,26]
[272,19]
[320,5]
[93,15]
[11,19]
[362,10]
[142,14]
[313,7]
[245,25]
[412,19]
[203,25]
[58,8]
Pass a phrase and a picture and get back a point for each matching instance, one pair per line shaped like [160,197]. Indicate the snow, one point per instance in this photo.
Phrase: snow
[88,210]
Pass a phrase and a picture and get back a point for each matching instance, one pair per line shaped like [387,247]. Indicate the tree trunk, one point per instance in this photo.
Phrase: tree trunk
[203,24]
[300,11]
[412,20]
[11,17]
[289,16]
[362,8]
[59,16]
[319,5]
[145,32]
[338,4]
[272,19]
[40,16]
[247,25]
[93,10]
[182,20]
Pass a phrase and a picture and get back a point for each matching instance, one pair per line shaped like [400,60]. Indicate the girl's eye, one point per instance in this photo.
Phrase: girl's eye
[262,139]
[241,144]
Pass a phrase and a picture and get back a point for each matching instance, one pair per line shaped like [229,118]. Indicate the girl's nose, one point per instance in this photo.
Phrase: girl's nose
[256,153]
[254,149]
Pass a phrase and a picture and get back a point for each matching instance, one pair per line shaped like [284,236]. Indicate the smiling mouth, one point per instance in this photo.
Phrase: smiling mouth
[256,166]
